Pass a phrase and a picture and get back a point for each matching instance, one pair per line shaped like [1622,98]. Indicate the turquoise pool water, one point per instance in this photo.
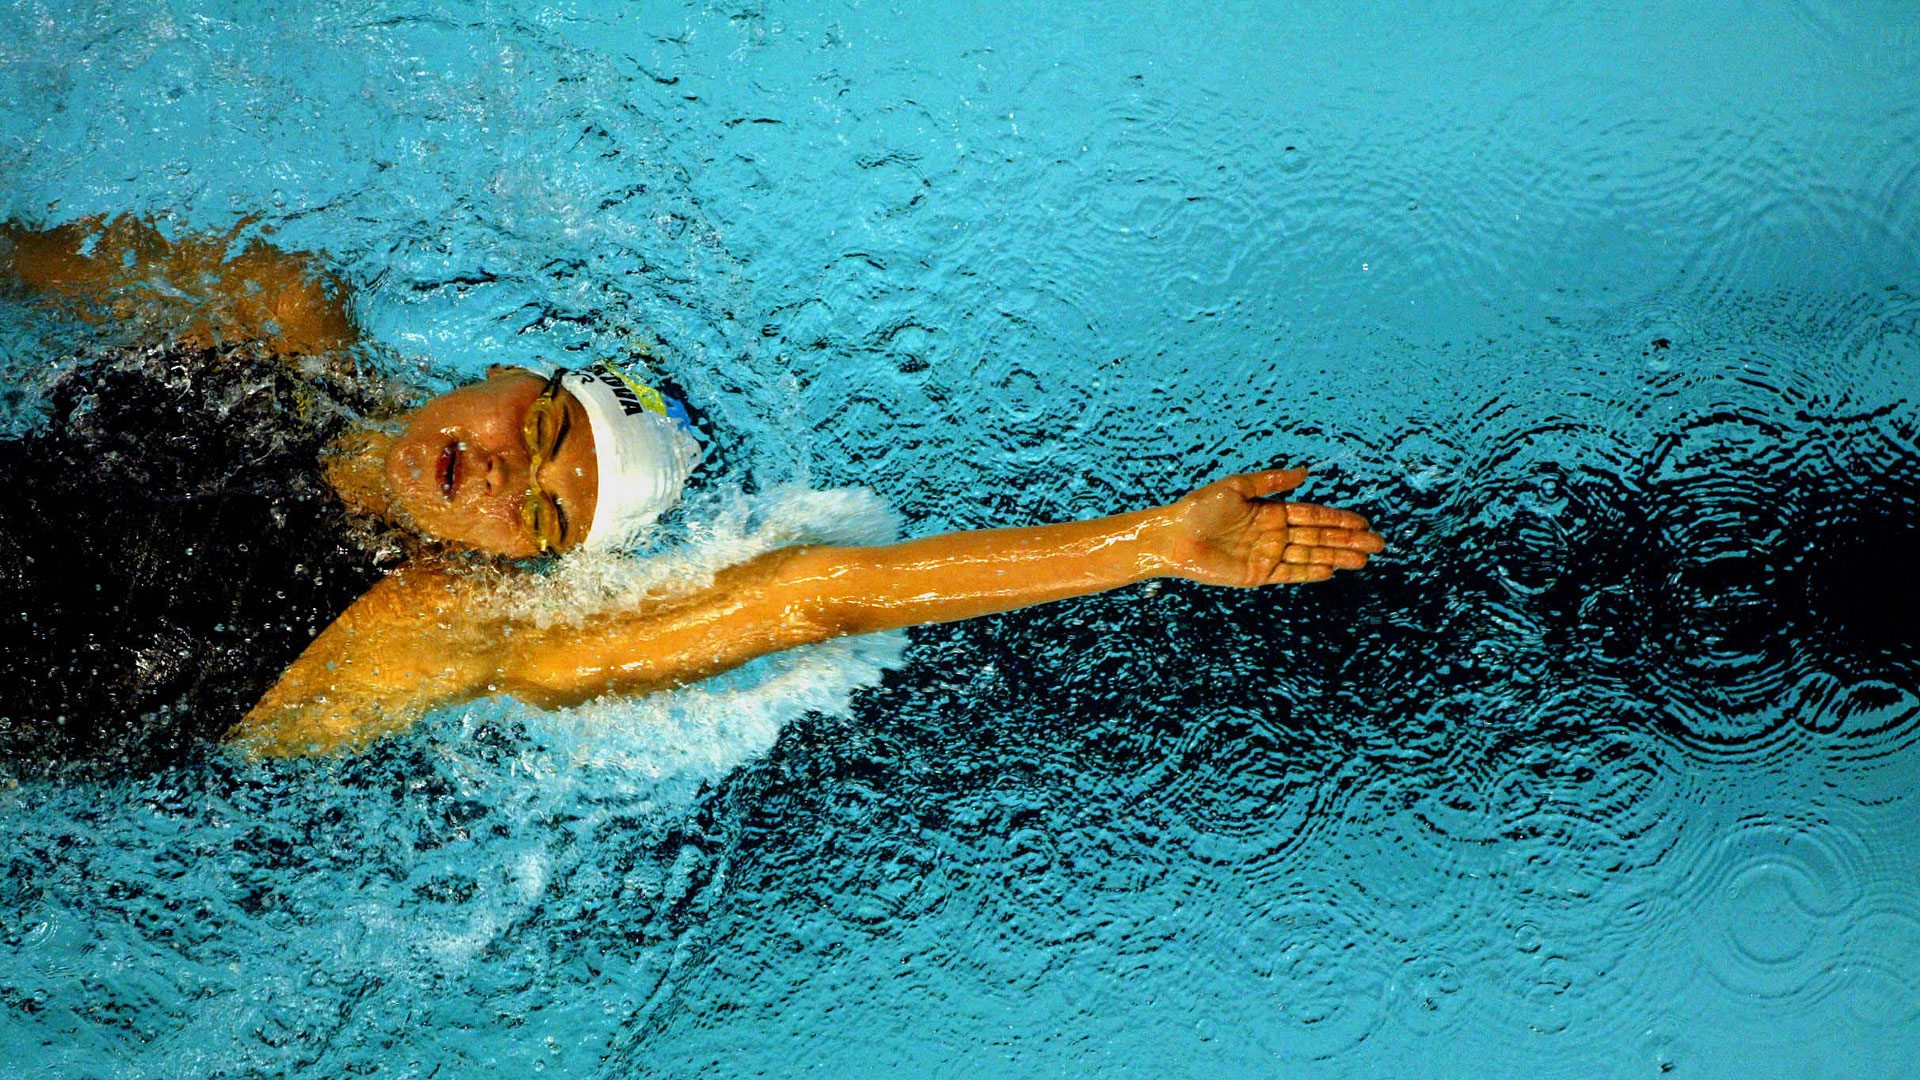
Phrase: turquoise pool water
[1605,313]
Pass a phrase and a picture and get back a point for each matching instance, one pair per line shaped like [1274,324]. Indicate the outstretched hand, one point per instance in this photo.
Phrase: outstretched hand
[1232,533]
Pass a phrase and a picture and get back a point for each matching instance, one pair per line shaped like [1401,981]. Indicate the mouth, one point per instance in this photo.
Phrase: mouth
[449,470]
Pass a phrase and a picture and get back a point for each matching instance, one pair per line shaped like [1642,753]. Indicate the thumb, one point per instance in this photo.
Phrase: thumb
[1271,482]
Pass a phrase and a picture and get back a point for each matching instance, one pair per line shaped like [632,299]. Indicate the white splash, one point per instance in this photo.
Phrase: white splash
[708,729]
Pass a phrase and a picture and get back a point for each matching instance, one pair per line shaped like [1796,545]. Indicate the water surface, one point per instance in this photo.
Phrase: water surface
[1607,315]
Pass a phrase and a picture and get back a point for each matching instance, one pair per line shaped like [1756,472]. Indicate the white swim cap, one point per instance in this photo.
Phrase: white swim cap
[645,451]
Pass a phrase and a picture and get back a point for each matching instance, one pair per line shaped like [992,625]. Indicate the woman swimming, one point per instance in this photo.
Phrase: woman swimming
[524,464]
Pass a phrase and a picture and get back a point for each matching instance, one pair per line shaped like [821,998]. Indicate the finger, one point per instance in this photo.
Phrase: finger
[1298,573]
[1326,516]
[1257,485]
[1301,555]
[1351,539]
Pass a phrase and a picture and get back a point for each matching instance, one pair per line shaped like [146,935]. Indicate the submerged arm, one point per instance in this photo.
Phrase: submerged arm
[416,642]
[100,268]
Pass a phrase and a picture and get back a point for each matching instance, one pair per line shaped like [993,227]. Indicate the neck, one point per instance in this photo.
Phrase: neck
[355,464]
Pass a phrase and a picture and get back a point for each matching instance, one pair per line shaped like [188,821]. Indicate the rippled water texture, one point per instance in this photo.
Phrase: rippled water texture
[1607,314]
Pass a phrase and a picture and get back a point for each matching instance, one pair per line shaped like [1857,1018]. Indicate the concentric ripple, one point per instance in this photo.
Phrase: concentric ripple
[1606,316]
[1777,903]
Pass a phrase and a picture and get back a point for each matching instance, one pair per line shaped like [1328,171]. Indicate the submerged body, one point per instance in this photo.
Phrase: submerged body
[524,464]
[167,546]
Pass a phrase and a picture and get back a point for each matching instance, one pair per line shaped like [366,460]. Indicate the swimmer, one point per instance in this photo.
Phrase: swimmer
[527,465]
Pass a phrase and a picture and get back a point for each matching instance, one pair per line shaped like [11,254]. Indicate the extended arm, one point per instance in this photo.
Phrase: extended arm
[415,642]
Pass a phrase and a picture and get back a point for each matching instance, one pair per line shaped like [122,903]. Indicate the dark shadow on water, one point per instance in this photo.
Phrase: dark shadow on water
[1557,633]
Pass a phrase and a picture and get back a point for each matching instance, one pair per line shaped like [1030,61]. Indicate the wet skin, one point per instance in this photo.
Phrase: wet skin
[426,636]
[459,472]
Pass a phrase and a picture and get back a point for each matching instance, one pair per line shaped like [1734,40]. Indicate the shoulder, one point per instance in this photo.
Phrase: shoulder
[419,637]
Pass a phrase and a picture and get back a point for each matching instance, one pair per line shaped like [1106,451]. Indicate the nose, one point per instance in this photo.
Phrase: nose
[550,471]
[499,473]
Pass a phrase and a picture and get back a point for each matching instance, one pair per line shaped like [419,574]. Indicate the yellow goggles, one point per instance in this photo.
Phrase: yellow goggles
[545,422]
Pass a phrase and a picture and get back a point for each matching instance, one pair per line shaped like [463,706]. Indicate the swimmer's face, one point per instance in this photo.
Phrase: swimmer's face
[459,472]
